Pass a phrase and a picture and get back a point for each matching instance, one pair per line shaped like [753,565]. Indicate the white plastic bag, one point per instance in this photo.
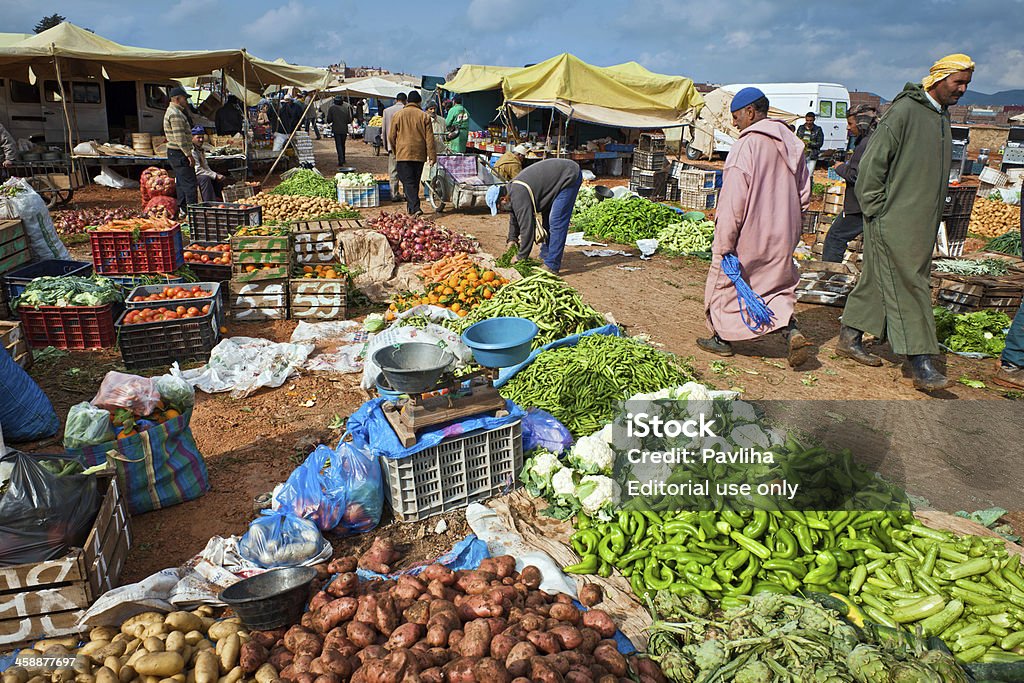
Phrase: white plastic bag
[111,178]
[279,140]
[86,148]
[27,205]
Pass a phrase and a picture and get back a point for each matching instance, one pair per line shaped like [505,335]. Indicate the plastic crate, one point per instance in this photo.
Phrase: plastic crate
[692,180]
[359,197]
[698,199]
[959,201]
[649,161]
[642,178]
[69,327]
[144,345]
[232,193]
[618,147]
[651,142]
[454,473]
[217,222]
[213,287]
[16,280]
[384,190]
[119,252]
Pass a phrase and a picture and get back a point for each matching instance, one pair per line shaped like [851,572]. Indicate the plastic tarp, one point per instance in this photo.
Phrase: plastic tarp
[715,115]
[374,86]
[476,78]
[369,427]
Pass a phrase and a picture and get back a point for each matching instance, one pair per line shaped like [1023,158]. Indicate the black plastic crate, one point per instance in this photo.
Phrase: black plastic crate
[217,222]
[145,345]
[959,201]
[649,161]
[16,280]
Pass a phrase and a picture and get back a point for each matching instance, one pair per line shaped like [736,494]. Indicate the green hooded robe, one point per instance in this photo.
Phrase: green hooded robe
[901,185]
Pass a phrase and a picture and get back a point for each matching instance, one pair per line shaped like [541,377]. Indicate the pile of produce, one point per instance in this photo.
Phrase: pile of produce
[154,315]
[173,293]
[68,290]
[184,273]
[776,637]
[1007,243]
[156,182]
[136,225]
[74,221]
[468,286]
[625,220]
[282,207]
[417,240]
[375,121]
[124,406]
[10,190]
[217,254]
[304,182]
[686,238]
[355,180]
[992,217]
[265,230]
[984,267]
[324,271]
[584,200]
[556,308]
[580,384]
[977,332]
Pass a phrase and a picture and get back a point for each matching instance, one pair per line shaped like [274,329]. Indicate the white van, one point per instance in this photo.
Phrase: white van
[829,101]
[101,110]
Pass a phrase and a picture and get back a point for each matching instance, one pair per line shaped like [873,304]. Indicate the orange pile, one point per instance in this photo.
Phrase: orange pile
[324,271]
[460,292]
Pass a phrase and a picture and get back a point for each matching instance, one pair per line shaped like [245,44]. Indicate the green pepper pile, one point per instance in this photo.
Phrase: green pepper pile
[625,220]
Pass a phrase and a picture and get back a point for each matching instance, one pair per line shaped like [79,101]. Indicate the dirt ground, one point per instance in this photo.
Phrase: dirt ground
[252,444]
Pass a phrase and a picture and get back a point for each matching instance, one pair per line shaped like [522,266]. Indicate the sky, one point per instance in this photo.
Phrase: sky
[868,45]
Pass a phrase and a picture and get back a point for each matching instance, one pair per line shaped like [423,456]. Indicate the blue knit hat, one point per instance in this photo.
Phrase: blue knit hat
[745,97]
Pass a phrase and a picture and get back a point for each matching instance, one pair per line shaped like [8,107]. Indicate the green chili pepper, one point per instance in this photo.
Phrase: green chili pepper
[857,578]
[702,582]
[755,547]
[737,559]
[588,565]
[803,537]
[826,570]
[584,542]
[757,526]
[657,577]
[794,568]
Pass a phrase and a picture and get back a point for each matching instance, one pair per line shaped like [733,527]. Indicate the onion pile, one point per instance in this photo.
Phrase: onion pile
[416,240]
[74,221]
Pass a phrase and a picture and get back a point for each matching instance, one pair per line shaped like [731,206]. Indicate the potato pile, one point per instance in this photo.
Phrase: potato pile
[489,625]
[991,217]
[285,207]
[180,647]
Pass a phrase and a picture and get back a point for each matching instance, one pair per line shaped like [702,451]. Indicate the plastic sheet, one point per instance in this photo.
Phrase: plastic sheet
[87,425]
[243,365]
[280,539]
[26,413]
[541,429]
[42,515]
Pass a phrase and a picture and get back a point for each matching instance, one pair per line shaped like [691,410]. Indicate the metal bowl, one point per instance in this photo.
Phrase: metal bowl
[270,600]
[603,193]
[413,367]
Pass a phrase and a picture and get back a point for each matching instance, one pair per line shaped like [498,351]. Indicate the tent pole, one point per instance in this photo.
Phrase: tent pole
[289,141]
[64,103]
[245,118]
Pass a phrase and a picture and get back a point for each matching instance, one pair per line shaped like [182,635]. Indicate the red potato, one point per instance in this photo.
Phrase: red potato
[319,600]
[497,625]
[501,646]
[333,661]
[521,679]
[578,677]
[531,577]
[532,622]
[440,590]
[566,613]
[499,594]
[281,658]
[438,572]
[417,613]
[536,600]
[589,640]
[518,660]
[437,635]
[305,678]
[559,663]
[447,615]
[317,666]
[478,580]
[460,671]
[267,639]
[647,667]
[606,677]
[327,678]
[409,587]
[541,671]
[252,656]
[301,641]
[478,607]
[380,556]
[609,657]
[306,621]
[366,612]
[361,634]
[337,639]
[370,653]
[335,612]
[342,565]
[343,585]
[288,674]
[574,658]
[490,671]
[591,594]
[405,636]
[387,614]
[568,636]
[455,638]
[476,641]
[432,675]
[302,664]
[544,642]
[599,620]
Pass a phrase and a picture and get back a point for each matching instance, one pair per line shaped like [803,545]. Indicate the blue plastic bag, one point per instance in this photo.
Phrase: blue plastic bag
[541,429]
[279,539]
[338,489]
[26,414]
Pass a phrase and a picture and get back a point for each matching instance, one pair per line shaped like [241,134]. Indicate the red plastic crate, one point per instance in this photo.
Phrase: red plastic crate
[69,327]
[118,252]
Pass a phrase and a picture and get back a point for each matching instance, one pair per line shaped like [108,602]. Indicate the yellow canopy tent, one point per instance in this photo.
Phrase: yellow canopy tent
[475,78]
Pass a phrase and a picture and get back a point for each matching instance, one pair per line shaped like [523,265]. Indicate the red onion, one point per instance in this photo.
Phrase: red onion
[417,240]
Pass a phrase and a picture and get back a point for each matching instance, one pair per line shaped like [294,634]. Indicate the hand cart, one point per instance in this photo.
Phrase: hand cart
[462,180]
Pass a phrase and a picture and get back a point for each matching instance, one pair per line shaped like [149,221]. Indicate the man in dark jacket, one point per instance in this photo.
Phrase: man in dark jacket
[860,123]
[546,189]
[902,184]
[339,116]
[228,118]
[291,115]
[814,138]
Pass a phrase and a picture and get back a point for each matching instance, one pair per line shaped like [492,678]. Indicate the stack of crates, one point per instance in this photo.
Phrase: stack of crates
[14,253]
[647,177]
[157,343]
[698,189]
[260,267]
[956,217]
[211,224]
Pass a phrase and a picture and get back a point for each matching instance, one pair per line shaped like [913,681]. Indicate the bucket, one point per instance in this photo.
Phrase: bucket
[500,342]
[603,193]
[270,600]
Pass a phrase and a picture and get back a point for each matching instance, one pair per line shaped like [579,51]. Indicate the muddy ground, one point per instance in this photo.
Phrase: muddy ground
[936,451]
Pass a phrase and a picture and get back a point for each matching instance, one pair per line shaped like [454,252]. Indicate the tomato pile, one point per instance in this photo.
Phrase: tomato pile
[198,253]
[460,292]
[153,315]
[174,292]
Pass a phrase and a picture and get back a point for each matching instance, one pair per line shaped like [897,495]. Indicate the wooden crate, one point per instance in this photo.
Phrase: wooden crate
[258,301]
[46,599]
[14,250]
[825,283]
[968,293]
[317,298]
[271,257]
[14,341]
[314,242]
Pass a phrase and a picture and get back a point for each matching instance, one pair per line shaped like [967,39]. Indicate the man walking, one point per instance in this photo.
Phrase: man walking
[309,109]
[901,186]
[765,189]
[385,133]
[228,118]
[178,131]
[340,116]
[411,140]
[813,137]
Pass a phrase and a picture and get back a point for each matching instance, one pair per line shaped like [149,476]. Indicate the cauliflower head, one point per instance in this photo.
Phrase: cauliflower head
[562,482]
[593,454]
[597,493]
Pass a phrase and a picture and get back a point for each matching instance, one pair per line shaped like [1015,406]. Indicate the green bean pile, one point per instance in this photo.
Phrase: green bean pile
[556,308]
[625,221]
[306,183]
[580,385]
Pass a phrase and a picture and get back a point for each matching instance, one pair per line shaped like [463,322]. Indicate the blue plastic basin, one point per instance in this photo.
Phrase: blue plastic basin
[500,342]
[385,391]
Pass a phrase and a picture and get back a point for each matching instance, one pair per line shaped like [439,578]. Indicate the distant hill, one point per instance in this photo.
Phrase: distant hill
[1003,97]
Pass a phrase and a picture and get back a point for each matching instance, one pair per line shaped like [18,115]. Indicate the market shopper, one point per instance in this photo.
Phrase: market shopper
[547,190]
[210,182]
[1010,373]
[291,115]
[228,118]
[765,189]
[814,138]
[458,126]
[178,131]
[411,137]
[510,163]
[309,120]
[860,124]
[385,133]
[902,183]
[340,116]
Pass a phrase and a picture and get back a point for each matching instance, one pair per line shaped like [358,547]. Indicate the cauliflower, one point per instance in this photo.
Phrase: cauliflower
[597,494]
[743,412]
[593,454]
[562,483]
[750,436]
[545,464]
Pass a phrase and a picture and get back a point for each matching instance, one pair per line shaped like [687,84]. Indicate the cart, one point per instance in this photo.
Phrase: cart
[460,179]
[55,180]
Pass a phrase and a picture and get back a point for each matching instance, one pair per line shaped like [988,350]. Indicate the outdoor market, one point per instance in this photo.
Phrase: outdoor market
[289,395]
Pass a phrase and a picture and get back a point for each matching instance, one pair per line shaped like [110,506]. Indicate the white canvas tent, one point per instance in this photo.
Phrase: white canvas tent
[372,86]
[716,119]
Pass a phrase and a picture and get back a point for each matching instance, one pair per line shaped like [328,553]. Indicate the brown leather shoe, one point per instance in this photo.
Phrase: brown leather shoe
[799,348]
[1009,376]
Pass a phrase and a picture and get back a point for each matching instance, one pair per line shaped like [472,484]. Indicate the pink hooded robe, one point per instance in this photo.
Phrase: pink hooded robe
[765,189]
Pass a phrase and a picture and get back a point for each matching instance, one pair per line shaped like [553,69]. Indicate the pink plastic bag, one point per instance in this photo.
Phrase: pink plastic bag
[134,393]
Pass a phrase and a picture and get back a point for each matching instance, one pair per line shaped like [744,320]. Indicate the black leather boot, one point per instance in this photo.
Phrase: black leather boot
[851,346]
[716,345]
[926,377]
